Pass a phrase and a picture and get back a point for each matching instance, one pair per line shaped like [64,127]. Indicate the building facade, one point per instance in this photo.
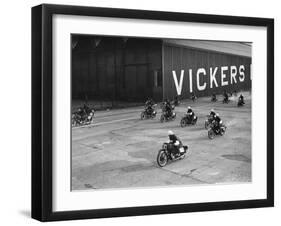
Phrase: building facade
[133,69]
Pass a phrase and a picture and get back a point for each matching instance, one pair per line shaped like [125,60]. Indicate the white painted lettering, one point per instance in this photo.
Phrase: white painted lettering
[241,73]
[233,73]
[190,81]
[178,84]
[213,77]
[201,87]
[223,76]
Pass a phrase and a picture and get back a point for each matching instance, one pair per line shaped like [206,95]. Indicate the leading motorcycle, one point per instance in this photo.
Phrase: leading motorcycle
[165,154]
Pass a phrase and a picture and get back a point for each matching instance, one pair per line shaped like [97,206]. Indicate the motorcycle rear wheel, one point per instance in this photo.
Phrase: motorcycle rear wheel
[162,158]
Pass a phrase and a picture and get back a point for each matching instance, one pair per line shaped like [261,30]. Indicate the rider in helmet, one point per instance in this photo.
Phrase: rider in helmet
[241,99]
[177,144]
[214,97]
[212,114]
[193,97]
[86,109]
[176,100]
[83,112]
[190,113]
[149,106]
[168,108]
[225,95]
[217,122]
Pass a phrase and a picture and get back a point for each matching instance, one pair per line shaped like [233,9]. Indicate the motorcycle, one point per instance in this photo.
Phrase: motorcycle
[225,100]
[193,98]
[82,117]
[187,120]
[166,116]
[165,154]
[240,103]
[146,114]
[176,101]
[212,132]
[214,99]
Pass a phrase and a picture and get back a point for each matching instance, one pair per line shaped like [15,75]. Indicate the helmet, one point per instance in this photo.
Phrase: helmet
[212,110]
[217,114]
[188,107]
[170,132]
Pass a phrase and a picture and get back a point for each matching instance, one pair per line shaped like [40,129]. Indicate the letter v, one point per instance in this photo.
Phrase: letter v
[177,84]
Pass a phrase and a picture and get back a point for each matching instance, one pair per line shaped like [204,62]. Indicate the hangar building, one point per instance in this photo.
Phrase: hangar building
[133,69]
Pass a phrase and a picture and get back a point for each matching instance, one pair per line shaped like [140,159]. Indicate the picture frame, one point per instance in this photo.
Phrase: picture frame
[43,109]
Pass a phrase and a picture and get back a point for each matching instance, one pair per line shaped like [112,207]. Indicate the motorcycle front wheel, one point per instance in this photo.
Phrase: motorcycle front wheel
[142,116]
[222,132]
[211,134]
[206,124]
[162,158]
[183,122]
[73,122]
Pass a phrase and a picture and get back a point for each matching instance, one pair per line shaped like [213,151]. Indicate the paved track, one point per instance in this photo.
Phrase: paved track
[119,150]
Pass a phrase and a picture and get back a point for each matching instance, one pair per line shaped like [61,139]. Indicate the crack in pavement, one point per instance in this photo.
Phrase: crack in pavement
[187,176]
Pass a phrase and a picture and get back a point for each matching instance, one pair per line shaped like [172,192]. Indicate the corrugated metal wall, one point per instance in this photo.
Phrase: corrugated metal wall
[178,58]
[115,68]
[130,69]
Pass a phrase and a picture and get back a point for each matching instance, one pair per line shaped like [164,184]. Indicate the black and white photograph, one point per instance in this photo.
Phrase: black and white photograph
[159,112]
[142,112]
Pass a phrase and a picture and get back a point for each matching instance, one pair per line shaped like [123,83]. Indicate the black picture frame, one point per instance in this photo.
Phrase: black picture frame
[42,111]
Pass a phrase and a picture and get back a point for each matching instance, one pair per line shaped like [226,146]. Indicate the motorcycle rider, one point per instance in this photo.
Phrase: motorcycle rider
[214,97]
[87,110]
[212,114]
[190,113]
[149,106]
[177,144]
[225,95]
[193,97]
[176,100]
[241,99]
[217,122]
[168,108]
[83,112]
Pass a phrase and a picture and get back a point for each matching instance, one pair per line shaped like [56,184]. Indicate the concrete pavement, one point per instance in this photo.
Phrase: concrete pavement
[119,150]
